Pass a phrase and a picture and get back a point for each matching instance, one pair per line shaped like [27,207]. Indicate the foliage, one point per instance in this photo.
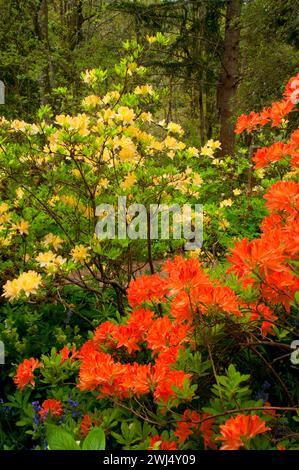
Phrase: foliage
[187,357]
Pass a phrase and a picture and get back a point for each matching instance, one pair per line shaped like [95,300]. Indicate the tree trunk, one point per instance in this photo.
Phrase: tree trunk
[43,35]
[227,86]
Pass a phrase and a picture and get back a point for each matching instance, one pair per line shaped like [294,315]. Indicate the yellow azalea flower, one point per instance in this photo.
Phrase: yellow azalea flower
[89,76]
[45,259]
[76,172]
[175,128]
[156,145]
[146,117]
[133,131]
[80,253]
[50,261]
[132,67]
[4,218]
[129,181]
[207,151]
[128,148]
[197,180]
[107,155]
[173,144]
[27,282]
[22,227]
[52,201]
[18,125]
[19,193]
[151,39]
[216,161]
[5,241]
[112,95]
[3,207]
[214,144]
[192,152]
[237,192]
[3,121]
[91,100]
[144,90]
[195,253]
[11,289]
[32,129]
[69,200]
[224,224]
[78,123]
[108,114]
[226,203]
[126,114]
[127,153]
[104,183]
[87,211]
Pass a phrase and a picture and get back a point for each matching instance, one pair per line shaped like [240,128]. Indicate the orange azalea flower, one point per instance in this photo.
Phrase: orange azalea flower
[271,222]
[187,426]
[237,430]
[183,431]
[99,370]
[280,287]
[164,334]
[141,319]
[166,379]
[137,379]
[86,425]
[207,431]
[278,111]
[283,196]
[67,353]
[24,374]
[185,274]
[259,254]
[54,407]
[163,445]
[104,334]
[146,289]
[292,89]
[129,337]
[271,154]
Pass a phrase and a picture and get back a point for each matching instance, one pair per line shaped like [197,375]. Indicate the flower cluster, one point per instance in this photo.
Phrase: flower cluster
[237,431]
[27,283]
[50,406]
[24,373]
[275,114]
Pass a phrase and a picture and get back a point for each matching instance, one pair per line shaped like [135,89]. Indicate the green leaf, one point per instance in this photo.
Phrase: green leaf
[58,439]
[95,440]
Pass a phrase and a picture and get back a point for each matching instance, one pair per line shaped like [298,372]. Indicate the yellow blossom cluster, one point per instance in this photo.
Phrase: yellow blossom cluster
[78,123]
[50,261]
[22,227]
[209,149]
[27,283]
[54,240]
[226,203]
[80,253]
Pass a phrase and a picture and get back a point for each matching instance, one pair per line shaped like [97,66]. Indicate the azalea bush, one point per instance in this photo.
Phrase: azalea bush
[54,173]
[196,355]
